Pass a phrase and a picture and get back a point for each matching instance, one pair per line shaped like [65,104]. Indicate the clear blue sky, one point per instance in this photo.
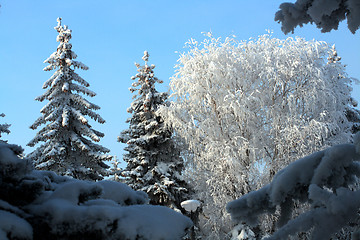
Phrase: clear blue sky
[110,35]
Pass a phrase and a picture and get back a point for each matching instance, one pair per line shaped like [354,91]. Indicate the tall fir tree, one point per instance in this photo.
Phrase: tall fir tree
[154,164]
[69,147]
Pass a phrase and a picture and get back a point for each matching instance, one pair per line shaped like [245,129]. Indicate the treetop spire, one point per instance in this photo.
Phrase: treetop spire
[59,21]
[58,27]
[146,57]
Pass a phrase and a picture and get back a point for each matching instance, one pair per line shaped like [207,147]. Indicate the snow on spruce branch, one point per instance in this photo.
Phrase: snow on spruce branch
[4,127]
[324,179]
[326,14]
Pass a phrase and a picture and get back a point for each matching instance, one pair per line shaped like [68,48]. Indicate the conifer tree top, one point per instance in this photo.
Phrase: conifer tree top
[144,83]
[145,76]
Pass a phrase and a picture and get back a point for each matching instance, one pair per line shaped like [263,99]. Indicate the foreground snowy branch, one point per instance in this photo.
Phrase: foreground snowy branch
[323,179]
[42,205]
[326,14]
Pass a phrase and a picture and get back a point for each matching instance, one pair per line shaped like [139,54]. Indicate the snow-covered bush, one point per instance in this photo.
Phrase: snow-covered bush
[153,162]
[241,107]
[42,205]
[325,180]
[68,137]
[326,14]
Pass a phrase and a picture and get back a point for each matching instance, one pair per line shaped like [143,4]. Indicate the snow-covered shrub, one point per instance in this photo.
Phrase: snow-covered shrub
[43,205]
[324,179]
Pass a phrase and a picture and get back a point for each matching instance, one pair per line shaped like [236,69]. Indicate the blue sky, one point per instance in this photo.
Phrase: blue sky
[110,35]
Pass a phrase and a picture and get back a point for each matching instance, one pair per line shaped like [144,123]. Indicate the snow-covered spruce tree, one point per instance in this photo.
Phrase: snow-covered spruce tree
[116,171]
[248,109]
[153,162]
[69,147]
[4,128]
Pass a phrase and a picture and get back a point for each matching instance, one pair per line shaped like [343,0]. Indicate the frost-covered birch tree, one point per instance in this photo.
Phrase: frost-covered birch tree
[4,127]
[153,162]
[68,137]
[326,14]
[246,109]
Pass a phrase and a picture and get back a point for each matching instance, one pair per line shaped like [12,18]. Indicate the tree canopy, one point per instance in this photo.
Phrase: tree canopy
[247,109]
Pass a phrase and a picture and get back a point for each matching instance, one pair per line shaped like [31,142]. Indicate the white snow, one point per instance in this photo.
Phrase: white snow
[190,205]
[121,193]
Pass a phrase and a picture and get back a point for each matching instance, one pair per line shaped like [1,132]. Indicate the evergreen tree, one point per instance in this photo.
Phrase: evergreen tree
[154,164]
[116,171]
[4,128]
[68,137]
